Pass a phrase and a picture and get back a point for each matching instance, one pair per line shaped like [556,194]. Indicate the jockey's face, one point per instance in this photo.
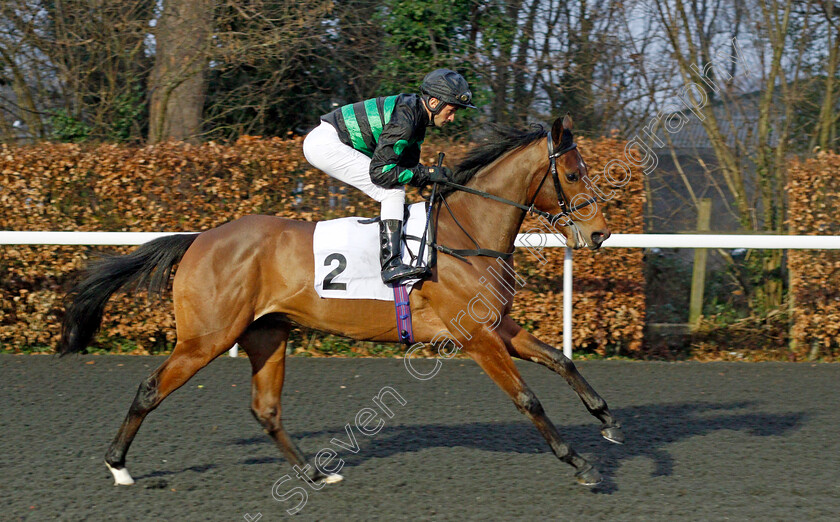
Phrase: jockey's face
[446,115]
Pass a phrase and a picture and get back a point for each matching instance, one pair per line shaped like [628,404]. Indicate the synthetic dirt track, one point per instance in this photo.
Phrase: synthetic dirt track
[704,441]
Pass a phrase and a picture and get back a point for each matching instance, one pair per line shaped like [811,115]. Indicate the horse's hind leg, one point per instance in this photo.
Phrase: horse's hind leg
[186,360]
[265,343]
[523,345]
[490,353]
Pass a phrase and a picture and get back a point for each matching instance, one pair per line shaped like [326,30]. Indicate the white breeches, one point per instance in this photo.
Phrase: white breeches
[326,152]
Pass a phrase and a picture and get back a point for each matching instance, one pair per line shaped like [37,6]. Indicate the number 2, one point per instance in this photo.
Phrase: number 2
[342,264]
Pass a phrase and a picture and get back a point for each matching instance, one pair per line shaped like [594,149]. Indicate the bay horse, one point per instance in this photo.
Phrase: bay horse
[250,280]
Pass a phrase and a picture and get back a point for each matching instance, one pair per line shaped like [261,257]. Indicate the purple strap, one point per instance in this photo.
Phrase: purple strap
[403,310]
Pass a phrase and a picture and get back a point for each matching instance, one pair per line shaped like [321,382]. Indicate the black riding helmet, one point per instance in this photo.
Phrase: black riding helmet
[447,86]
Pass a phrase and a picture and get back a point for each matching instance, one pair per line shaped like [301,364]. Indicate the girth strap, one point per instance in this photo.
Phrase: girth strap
[403,311]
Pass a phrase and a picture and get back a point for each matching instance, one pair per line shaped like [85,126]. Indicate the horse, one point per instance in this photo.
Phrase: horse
[249,281]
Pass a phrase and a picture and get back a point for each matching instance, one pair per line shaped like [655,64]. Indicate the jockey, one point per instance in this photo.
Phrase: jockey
[374,145]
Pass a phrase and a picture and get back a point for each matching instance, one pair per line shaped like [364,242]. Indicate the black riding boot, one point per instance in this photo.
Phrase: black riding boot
[390,235]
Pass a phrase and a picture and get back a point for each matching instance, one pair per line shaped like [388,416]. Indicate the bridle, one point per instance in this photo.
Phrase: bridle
[566,208]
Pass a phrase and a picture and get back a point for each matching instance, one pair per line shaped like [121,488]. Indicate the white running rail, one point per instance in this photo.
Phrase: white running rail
[729,241]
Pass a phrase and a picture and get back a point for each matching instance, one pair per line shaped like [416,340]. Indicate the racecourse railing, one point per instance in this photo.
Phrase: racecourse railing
[527,241]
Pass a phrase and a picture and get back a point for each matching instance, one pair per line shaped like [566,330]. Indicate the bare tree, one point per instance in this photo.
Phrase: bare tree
[272,61]
[543,57]
[77,63]
[825,133]
[178,83]
[749,132]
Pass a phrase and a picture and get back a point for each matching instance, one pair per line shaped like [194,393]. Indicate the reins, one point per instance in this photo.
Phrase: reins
[562,200]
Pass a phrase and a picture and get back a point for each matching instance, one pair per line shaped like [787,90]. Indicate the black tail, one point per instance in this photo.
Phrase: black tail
[150,264]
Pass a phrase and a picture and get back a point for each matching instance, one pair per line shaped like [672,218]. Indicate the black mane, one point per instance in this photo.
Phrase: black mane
[498,140]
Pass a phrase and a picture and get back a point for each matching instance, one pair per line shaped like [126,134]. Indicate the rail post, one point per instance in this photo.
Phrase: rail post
[698,275]
[567,303]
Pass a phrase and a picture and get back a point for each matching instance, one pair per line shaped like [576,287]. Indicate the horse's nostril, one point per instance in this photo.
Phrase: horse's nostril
[599,237]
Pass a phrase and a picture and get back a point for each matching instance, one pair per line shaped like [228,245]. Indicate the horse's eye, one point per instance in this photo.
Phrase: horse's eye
[573,176]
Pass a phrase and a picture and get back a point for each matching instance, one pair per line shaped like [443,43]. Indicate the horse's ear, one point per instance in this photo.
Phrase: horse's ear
[561,124]
[557,131]
[567,121]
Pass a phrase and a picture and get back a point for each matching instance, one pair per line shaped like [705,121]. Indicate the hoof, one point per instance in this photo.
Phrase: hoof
[588,477]
[613,434]
[121,476]
[332,478]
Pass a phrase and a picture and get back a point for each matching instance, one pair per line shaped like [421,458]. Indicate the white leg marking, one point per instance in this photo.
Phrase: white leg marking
[332,478]
[121,476]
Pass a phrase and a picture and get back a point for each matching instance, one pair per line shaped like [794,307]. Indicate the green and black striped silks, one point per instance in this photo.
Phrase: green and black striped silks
[387,129]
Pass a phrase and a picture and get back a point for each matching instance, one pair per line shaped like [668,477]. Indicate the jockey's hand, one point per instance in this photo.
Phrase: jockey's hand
[437,174]
[428,175]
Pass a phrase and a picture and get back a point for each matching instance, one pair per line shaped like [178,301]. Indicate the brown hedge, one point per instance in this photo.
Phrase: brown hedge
[814,192]
[183,187]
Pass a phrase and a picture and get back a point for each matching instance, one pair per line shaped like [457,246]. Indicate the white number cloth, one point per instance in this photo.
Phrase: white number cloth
[347,256]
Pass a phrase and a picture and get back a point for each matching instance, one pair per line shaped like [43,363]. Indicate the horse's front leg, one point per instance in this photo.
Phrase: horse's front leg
[488,350]
[523,345]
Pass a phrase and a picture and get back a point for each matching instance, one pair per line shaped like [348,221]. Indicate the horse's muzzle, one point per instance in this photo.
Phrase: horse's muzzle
[598,237]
